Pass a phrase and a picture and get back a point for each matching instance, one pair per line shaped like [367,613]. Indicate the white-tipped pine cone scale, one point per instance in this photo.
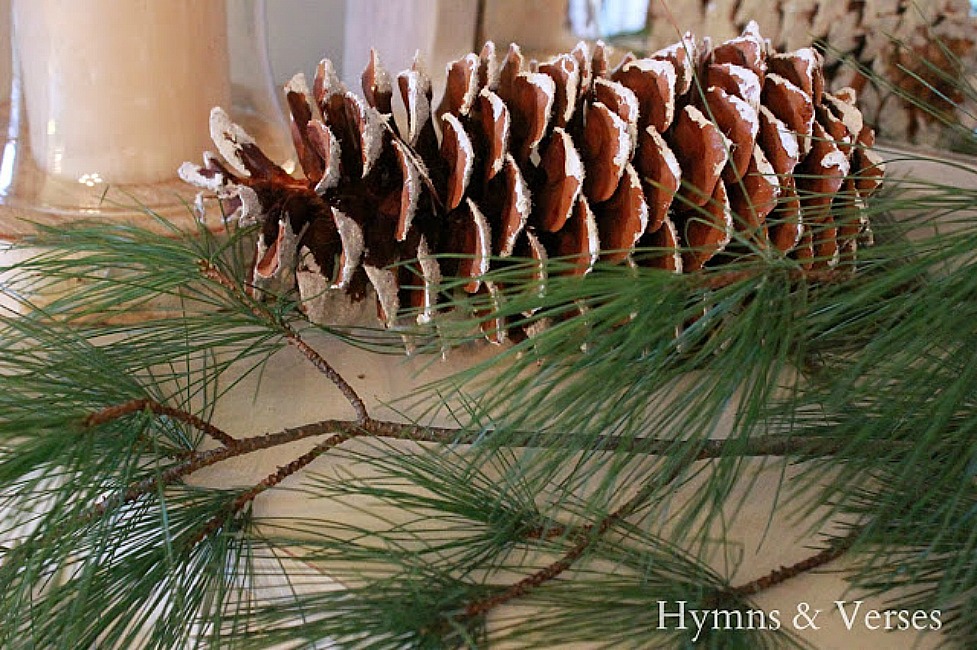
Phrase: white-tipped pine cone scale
[681,152]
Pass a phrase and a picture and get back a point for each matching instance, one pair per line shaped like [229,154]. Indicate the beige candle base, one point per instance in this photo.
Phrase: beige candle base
[28,194]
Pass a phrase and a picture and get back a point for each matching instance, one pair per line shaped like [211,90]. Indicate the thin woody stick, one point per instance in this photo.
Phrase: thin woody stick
[146,404]
[778,576]
[759,446]
[211,272]
[271,481]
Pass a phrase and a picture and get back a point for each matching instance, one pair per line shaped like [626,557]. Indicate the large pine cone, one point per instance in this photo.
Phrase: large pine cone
[682,152]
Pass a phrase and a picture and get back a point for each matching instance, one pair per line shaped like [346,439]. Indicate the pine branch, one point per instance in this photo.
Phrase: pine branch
[834,551]
[589,534]
[211,272]
[137,405]
[761,446]
[343,431]
[203,459]
[269,482]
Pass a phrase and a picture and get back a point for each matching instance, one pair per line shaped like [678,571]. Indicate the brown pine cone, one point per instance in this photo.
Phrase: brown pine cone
[680,152]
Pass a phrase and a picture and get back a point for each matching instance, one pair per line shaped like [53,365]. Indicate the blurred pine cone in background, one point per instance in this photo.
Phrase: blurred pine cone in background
[924,50]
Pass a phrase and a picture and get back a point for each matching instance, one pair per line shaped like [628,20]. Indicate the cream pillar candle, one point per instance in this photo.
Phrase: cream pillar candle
[119,91]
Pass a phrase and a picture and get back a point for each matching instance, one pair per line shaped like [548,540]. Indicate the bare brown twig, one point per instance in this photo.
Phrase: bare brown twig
[271,481]
[760,446]
[587,535]
[137,405]
[211,272]
[731,596]
[778,576]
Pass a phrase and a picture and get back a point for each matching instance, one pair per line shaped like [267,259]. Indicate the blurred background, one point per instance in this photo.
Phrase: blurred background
[301,32]
[944,32]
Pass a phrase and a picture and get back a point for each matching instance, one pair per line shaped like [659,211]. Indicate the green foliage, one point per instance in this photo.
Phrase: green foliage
[566,469]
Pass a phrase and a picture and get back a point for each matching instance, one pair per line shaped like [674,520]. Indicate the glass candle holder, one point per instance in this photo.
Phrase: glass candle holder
[617,20]
[109,97]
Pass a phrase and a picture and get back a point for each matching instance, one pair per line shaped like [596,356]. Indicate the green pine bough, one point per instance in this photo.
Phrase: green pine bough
[580,492]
